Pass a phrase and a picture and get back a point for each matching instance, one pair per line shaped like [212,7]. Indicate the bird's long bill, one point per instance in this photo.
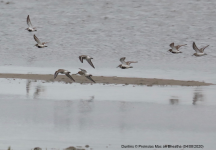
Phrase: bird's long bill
[117,66]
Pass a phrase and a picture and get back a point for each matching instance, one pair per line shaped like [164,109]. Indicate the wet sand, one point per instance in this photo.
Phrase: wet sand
[105,80]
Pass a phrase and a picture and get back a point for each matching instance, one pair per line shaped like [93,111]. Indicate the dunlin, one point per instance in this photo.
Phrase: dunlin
[62,71]
[175,49]
[199,52]
[39,44]
[83,72]
[125,65]
[30,27]
[122,60]
[87,58]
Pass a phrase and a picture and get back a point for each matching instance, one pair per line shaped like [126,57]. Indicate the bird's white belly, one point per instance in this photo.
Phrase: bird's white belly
[200,54]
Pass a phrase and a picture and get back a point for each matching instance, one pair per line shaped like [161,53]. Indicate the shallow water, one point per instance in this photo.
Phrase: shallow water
[33,89]
[57,115]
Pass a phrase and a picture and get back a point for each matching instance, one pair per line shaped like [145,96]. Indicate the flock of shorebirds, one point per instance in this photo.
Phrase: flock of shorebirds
[123,65]
[199,52]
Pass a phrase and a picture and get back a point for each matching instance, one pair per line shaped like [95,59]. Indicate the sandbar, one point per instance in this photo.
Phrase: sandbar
[104,80]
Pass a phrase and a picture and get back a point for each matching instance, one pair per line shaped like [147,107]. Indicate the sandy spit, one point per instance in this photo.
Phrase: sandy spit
[105,80]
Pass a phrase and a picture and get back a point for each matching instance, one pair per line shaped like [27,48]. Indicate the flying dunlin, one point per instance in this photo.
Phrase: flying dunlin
[125,65]
[87,58]
[62,71]
[39,44]
[199,52]
[30,27]
[175,49]
[83,72]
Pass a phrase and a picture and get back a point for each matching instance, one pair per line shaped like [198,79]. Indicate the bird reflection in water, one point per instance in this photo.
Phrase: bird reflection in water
[85,105]
[174,100]
[28,83]
[38,90]
[198,96]
[85,108]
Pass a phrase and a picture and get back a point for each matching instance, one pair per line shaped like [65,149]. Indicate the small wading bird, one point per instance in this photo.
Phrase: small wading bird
[83,72]
[175,49]
[199,52]
[62,71]
[39,44]
[87,58]
[30,28]
[125,65]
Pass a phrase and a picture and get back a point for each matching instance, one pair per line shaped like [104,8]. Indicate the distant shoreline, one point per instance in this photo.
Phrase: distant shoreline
[105,80]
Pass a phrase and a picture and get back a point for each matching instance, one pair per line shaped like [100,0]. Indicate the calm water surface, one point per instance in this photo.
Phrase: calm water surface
[58,115]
